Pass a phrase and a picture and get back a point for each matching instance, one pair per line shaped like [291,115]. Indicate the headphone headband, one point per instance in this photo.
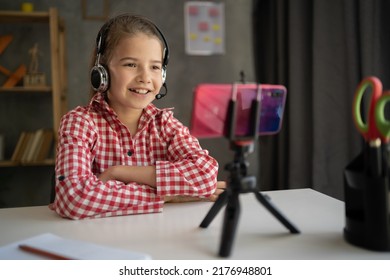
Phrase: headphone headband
[102,35]
[99,73]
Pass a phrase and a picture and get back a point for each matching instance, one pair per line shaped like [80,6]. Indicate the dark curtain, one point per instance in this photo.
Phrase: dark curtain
[320,50]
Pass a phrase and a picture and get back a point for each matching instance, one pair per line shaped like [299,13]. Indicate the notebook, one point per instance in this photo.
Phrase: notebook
[51,246]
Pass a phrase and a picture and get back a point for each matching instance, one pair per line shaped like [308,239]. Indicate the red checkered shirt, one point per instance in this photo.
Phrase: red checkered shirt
[92,138]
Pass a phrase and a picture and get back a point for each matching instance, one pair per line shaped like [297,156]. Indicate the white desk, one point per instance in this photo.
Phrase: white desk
[175,233]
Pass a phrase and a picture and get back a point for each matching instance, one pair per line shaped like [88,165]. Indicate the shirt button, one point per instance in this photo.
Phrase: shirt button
[129,153]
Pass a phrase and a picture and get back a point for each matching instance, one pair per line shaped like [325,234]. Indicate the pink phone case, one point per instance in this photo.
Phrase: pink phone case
[211,105]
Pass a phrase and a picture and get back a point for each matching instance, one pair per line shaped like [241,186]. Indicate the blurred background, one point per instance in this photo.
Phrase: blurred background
[319,50]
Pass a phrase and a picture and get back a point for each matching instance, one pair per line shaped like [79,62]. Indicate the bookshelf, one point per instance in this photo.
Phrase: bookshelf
[56,91]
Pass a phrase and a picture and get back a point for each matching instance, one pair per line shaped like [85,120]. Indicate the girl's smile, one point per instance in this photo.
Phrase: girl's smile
[139,91]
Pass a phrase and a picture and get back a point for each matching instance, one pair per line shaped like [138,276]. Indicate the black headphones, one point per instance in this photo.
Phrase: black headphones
[99,74]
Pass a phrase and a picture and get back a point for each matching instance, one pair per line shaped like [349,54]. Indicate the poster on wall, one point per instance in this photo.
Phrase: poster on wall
[204,28]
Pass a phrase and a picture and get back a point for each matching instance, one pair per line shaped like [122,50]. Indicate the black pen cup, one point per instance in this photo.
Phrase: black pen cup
[367,222]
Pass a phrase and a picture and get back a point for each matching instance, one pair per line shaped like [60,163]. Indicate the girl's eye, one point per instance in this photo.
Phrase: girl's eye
[130,65]
[156,67]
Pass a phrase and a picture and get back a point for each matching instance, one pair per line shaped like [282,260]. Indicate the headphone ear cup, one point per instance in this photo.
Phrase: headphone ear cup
[99,78]
[164,74]
[164,85]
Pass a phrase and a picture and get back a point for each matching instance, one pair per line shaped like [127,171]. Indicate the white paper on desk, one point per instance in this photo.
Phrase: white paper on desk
[69,248]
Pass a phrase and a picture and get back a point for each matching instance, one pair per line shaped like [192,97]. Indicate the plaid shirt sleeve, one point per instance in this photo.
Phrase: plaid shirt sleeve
[188,169]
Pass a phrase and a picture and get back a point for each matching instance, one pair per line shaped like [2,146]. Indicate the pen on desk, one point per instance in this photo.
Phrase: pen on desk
[375,157]
[42,253]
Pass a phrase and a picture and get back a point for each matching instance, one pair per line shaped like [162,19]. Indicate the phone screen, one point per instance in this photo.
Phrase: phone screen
[211,103]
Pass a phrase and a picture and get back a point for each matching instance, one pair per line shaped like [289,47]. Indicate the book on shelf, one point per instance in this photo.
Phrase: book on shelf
[47,142]
[17,154]
[34,142]
[33,146]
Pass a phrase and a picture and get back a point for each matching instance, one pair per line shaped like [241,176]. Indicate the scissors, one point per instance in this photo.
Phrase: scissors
[376,125]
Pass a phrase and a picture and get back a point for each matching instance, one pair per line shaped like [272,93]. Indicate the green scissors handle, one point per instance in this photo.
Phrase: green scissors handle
[382,123]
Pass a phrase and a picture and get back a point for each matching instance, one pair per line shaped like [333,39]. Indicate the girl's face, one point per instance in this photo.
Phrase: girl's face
[135,72]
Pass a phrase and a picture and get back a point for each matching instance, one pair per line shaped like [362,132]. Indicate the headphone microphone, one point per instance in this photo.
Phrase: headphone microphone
[99,74]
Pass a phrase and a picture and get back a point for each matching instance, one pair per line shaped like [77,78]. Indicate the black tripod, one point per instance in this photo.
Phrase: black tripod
[238,181]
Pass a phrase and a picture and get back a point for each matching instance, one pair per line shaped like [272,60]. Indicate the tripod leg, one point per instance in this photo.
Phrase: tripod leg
[230,222]
[270,207]
[221,201]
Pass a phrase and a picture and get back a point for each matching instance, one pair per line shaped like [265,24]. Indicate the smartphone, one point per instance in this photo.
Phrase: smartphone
[210,107]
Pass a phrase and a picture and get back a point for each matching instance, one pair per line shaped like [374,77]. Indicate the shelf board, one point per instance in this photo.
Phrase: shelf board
[10,163]
[23,17]
[26,89]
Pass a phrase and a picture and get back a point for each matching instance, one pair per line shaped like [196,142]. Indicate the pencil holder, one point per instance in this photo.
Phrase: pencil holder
[366,207]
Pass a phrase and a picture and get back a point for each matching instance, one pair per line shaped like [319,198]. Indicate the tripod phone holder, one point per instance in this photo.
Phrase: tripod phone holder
[238,181]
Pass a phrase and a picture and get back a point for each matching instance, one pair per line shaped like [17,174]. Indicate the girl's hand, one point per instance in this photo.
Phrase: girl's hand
[221,186]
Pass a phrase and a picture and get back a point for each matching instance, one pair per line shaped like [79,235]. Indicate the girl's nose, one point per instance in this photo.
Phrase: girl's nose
[144,76]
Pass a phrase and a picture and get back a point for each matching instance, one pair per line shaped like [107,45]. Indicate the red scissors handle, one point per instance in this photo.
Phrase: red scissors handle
[368,128]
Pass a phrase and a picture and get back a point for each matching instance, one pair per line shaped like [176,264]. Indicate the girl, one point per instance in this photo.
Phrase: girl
[122,155]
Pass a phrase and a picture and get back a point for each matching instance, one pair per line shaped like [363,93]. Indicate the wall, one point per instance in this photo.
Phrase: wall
[184,73]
